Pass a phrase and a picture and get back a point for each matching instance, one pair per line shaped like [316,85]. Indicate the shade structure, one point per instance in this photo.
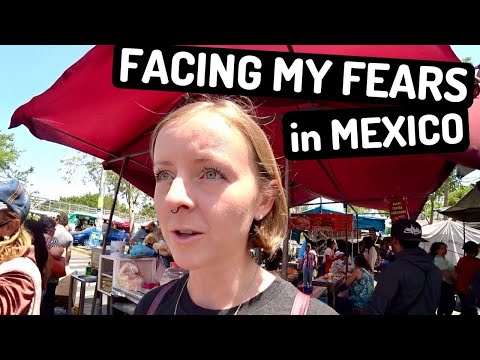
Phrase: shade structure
[467,209]
[83,110]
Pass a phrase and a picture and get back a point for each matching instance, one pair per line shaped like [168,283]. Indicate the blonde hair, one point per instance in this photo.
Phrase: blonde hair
[15,245]
[269,232]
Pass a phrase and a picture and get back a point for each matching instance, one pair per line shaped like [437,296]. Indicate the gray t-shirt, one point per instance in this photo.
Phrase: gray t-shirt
[64,238]
[277,299]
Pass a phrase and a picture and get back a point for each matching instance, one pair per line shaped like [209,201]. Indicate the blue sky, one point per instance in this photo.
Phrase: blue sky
[27,71]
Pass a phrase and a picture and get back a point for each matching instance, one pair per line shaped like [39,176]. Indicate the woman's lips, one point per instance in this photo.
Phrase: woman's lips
[185,239]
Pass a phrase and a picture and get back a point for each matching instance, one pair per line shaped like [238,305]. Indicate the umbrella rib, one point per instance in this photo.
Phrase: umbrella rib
[91,145]
[332,180]
[149,131]
[74,137]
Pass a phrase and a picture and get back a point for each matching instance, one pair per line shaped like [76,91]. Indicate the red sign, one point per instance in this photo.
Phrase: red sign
[322,222]
[398,210]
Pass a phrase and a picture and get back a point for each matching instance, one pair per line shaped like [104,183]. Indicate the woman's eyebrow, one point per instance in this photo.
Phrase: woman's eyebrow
[202,160]
[163,163]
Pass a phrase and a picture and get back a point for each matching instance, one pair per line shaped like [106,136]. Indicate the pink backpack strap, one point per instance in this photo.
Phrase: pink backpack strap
[159,297]
[300,304]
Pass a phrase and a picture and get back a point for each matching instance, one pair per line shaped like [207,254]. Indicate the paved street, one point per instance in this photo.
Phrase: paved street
[78,263]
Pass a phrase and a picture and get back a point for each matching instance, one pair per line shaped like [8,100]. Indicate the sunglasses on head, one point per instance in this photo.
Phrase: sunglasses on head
[5,222]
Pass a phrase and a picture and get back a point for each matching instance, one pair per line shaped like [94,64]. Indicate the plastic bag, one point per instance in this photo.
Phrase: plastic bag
[129,277]
[142,250]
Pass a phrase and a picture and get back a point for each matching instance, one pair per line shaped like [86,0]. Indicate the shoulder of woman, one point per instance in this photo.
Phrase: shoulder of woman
[357,271]
[147,300]
[19,289]
[317,307]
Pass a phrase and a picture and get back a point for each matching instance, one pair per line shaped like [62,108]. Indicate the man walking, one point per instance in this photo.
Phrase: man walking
[411,284]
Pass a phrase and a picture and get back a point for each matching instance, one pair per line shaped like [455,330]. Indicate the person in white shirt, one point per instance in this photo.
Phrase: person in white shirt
[64,238]
[329,255]
[309,264]
[370,253]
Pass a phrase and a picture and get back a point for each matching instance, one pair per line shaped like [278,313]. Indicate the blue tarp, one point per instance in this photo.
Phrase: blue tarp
[301,253]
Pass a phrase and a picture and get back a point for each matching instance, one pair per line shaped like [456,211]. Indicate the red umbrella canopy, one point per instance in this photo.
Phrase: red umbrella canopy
[118,123]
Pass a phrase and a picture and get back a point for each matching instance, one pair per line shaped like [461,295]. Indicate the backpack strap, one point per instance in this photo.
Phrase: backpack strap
[300,304]
[154,305]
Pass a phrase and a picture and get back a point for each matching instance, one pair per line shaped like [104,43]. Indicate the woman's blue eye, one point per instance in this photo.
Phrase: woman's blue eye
[211,174]
[163,176]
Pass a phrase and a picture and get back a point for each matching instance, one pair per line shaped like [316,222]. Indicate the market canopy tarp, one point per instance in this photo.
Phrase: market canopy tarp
[467,209]
[363,221]
[84,111]
[450,233]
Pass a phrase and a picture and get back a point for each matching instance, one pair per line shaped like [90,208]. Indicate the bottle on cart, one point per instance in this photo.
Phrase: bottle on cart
[88,270]
[172,273]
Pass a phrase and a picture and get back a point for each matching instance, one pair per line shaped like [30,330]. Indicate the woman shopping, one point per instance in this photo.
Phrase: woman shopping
[360,286]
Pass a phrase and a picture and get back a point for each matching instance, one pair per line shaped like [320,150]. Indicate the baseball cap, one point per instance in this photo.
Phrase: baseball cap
[407,230]
[14,198]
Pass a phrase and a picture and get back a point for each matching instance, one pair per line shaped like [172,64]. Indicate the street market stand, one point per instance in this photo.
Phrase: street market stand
[108,283]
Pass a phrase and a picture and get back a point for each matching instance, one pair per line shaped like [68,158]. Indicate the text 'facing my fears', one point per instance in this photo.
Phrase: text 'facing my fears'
[293,75]
[434,96]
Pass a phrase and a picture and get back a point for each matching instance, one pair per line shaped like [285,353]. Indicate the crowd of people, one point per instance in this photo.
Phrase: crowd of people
[394,276]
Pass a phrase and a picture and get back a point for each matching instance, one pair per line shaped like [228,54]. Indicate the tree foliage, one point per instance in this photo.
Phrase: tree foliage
[148,210]
[92,172]
[9,156]
[91,200]
[451,190]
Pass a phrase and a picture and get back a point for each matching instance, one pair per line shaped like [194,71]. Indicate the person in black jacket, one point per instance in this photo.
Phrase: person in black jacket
[411,284]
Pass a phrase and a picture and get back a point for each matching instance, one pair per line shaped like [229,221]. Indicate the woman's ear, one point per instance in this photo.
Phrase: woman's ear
[267,201]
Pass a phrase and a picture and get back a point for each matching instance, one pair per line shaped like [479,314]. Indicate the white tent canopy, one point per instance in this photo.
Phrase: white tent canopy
[451,233]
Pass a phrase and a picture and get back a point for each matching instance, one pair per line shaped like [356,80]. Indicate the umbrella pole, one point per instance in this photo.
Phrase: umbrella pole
[284,272]
[346,236]
[464,237]
[358,237]
[120,177]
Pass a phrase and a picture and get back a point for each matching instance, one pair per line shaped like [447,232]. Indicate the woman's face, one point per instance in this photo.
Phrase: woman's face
[442,251]
[204,168]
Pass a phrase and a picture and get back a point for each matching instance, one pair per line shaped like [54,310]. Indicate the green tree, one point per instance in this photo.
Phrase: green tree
[92,172]
[88,166]
[108,202]
[458,194]
[148,210]
[446,195]
[90,200]
[9,156]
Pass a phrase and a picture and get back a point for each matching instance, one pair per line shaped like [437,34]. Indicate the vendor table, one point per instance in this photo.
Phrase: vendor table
[133,298]
[84,279]
[331,286]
